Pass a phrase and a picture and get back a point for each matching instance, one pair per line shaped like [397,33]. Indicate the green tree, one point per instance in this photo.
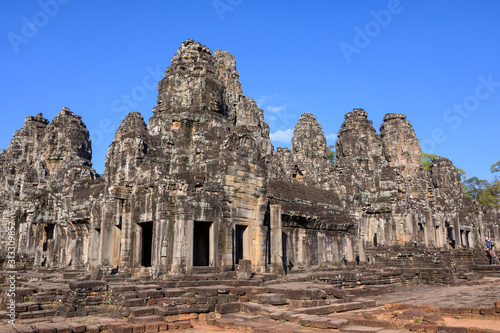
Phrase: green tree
[494,187]
[330,154]
[462,174]
[474,186]
[486,193]
[495,167]
[426,159]
[490,197]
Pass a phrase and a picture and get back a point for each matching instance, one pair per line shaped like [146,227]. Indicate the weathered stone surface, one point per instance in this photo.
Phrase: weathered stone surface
[358,144]
[309,151]
[200,189]
[83,286]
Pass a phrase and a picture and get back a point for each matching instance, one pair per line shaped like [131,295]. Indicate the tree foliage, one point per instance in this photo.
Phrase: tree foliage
[426,159]
[484,192]
[495,167]
[474,187]
[330,154]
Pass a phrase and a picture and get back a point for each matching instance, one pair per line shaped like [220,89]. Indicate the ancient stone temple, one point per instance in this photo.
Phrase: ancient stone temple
[200,187]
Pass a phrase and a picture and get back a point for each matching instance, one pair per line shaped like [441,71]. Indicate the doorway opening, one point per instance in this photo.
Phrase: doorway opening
[449,234]
[421,232]
[49,234]
[201,243]
[239,243]
[147,243]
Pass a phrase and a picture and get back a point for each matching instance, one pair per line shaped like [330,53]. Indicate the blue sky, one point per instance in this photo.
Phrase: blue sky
[437,62]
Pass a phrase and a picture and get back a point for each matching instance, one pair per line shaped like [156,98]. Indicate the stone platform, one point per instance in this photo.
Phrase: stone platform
[349,300]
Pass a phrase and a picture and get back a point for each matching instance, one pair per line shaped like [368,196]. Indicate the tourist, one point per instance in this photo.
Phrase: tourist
[493,257]
[487,243]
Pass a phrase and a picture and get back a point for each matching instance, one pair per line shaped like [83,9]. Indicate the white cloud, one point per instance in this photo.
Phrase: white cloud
[276,109]
[282,136]
[261,100]
[271,118]
[331,136]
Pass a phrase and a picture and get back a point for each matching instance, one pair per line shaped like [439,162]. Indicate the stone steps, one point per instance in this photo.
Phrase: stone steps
[335,308]
[141,311]
[134,302]
[298,323]
[254,324]
[269,298]
[145,319]
[368,329]
[113,327]
[256,317]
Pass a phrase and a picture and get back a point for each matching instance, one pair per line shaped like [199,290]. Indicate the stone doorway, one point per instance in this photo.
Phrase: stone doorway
[146,243]
[239,243]
[49,234]
[201,243]
[464,238]
[449,234]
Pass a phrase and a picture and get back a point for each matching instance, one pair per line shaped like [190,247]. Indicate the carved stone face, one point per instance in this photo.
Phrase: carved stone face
[191,82]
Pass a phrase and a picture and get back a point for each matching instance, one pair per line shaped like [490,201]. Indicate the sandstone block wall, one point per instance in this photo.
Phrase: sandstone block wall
[201,187]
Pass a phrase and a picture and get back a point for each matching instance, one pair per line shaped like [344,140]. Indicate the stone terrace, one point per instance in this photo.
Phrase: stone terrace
[350,300]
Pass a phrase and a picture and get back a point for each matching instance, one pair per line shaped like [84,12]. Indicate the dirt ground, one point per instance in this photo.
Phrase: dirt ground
[204,328]
[435,301]
[426,304]
[484,294]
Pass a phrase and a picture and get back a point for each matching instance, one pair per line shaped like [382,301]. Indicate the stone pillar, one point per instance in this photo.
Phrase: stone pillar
[38,256]
[349,249]
[126,236]
[50,253]
[180,242]
[426,234]
[362,231]
[458,239]
[321,241]
[409,229]
[361,245]
[164,244]
[430,230]
[472,243]
[336,251]
[276,240]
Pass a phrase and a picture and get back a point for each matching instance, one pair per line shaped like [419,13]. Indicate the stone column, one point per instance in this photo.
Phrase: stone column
[182,255]
[163,244]
[409,229]
[126,236]
[458,239]
[38,256]
[361,245]
[349,249]
[276,240]
[426,234]
[361,238]
[50,253]
[430,230]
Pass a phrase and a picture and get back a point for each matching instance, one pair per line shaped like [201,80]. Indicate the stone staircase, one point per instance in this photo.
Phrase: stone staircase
[297,302]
